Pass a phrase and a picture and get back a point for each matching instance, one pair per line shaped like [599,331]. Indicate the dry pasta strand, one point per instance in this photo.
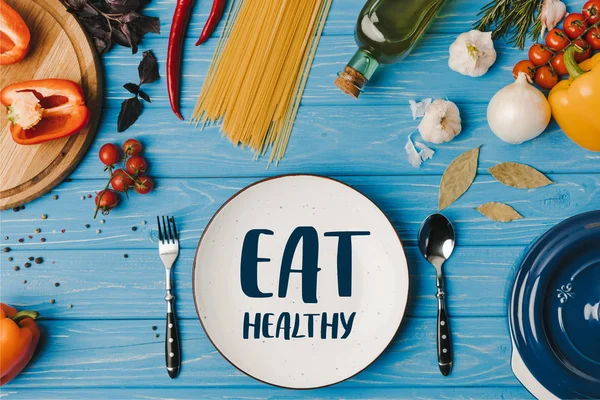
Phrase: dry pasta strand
[255,82]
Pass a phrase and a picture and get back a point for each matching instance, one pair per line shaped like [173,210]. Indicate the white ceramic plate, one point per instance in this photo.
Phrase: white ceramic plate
[361,290]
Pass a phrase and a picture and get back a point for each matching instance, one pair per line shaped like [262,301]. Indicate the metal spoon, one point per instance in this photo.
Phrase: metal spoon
[436,242]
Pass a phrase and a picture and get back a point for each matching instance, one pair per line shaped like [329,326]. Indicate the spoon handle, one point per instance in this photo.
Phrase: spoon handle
[444,339]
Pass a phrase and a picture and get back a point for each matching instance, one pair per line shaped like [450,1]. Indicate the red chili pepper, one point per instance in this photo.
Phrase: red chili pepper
[216,13]
[183,10]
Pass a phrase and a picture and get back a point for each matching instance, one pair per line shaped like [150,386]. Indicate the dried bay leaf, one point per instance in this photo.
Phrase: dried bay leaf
[519,175]
[458,177]
[499,212]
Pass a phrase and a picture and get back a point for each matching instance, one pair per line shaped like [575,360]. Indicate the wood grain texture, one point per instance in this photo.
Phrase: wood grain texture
[125,353]
[220,393]
[59,49]
[104,347]
[424,73]
[330,140]
[406,200]
[94,281]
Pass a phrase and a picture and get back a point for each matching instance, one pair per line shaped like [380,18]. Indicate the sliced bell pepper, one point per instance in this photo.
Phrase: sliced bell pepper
[14,35]
[19,336]
[60,110]
[575,102]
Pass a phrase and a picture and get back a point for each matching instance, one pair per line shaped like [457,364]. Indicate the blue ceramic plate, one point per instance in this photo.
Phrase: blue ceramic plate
[555,305]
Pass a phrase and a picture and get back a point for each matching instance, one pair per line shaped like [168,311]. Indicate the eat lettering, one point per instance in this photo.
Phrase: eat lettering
[310,257]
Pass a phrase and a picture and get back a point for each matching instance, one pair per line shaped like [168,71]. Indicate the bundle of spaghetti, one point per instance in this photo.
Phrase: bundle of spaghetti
[259,71]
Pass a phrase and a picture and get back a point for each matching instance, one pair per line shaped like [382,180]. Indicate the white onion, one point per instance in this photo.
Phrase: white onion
[518,112]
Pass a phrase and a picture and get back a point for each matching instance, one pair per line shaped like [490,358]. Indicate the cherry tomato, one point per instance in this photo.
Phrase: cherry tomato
[557,40]
[593,38]
[132,147]
[575,25]
[136,165]
[121,181]
[109,154]
[558,63]
[539,55]
[525,66]
[587,50]
[106,200]
[143,185]
[591,10]
[545,77]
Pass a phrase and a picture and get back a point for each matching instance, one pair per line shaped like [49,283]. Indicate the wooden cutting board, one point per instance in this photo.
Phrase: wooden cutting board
[59,49]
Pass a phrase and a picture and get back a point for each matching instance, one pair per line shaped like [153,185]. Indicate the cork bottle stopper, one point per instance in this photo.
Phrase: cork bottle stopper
[350,81]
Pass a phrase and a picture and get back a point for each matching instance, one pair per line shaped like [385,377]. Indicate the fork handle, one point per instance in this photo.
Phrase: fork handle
[172,350]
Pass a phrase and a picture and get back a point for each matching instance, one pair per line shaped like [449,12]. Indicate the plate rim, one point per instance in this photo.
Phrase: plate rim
[196,306]
[522,275]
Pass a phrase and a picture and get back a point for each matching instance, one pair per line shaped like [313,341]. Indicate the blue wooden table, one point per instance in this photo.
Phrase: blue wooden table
[98,341]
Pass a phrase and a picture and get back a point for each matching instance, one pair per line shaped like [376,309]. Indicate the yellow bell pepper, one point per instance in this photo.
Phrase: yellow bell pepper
[575,102]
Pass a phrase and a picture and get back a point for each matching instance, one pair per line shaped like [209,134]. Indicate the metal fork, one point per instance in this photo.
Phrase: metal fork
[168,248]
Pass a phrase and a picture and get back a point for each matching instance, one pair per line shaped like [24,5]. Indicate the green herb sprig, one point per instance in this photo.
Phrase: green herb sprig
[513,20]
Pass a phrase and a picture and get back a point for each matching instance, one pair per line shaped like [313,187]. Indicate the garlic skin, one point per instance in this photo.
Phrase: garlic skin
[472,53]
[552,13]
[519,112]
[441,122]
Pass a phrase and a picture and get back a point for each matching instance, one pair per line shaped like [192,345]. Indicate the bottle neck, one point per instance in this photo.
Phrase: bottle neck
[364,63]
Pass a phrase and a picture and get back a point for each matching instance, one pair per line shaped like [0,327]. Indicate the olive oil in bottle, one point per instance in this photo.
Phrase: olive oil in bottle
[386,31]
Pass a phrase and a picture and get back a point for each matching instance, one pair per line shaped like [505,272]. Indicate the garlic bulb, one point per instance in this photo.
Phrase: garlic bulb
[552,12]
[441,122]
[472,53]
[518,112]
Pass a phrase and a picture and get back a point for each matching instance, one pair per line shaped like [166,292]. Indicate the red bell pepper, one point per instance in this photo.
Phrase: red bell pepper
[14,35]
[56,110]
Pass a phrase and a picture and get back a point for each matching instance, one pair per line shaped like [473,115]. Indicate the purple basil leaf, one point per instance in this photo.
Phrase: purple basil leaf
[118,36]
[148,68]
[132,37]
[122,6]
[144,24]
[130,112]
[145,96]
[127,18]
[101,45]
[132,88]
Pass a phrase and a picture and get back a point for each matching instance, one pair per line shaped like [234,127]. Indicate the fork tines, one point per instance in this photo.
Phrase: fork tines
[167,232]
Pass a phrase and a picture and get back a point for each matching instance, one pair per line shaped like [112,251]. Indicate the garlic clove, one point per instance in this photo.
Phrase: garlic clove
[472,53]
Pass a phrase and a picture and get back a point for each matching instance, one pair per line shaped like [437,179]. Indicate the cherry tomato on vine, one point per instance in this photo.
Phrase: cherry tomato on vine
[575,25]
[525,66]
[109,154]
[539,55]
[587,50]
[558,63]
[106,200]
[136,165]
[143,185]
[545,77]
[593,38]
[132,147]
[591,10]
[557,40]
[121,181]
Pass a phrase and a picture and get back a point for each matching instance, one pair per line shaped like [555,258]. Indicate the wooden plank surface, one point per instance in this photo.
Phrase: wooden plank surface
[103,347]
[217,393]
[94,281]
[424,73]
[406,200]
[125,353]
[331,140]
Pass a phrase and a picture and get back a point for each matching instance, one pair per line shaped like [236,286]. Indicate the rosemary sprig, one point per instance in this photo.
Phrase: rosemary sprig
[512,19]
